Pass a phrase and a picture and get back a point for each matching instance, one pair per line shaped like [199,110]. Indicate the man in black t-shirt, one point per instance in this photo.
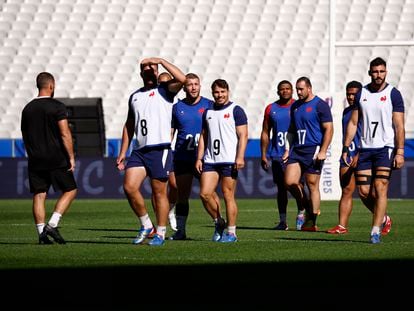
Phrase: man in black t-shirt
[51,160]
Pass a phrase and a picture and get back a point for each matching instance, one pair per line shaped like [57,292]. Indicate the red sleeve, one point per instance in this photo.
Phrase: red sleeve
[267,112]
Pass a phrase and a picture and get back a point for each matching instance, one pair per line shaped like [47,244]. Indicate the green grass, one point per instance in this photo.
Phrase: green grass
[99,268]
[99,233]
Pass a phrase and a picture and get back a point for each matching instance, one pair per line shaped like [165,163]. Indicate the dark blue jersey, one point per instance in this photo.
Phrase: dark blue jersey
[187,121]
[278,118]
[355,144]
[307,119]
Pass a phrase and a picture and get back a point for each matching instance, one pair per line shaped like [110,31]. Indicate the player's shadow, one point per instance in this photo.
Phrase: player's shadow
[247,228]
[108,230]
[18,243]
[127,242]
[255,228]
[302,239]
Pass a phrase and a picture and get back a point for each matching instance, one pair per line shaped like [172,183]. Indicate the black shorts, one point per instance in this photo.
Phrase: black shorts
[185,168]
[60,179]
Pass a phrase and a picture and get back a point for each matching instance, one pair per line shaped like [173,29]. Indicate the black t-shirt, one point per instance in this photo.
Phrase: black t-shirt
[41,134]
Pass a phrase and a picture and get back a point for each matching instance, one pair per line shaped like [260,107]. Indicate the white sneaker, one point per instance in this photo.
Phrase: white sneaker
[172,219]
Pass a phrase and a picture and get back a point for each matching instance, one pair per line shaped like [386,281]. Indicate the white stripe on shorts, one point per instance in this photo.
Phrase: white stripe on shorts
[316,152]
[164,157]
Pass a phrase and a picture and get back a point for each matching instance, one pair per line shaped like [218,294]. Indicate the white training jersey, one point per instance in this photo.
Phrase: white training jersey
[152,112]
[376,109]
[222,136]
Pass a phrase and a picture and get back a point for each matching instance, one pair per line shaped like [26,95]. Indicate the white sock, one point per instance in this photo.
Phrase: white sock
[231,229]
[385,218]
[342,226]
[146,221]
[40,227]
[54,220]
[282,217]
[375,230]
[161,230]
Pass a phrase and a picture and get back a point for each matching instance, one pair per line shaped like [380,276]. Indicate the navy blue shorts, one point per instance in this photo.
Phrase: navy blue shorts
[156,161]
[225,170]
[305,157]
[341,161]
[60,179]
[372,158]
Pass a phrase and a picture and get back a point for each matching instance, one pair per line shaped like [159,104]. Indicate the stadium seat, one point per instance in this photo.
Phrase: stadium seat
[101,41]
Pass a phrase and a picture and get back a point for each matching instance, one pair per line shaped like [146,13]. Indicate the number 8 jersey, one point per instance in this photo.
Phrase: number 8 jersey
[152,111]
[220,123]
[376,110]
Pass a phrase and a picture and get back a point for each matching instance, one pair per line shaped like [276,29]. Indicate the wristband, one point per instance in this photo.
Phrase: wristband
[345,149]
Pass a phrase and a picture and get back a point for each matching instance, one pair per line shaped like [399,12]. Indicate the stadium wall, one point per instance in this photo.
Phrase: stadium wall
[98,178]
[14,148]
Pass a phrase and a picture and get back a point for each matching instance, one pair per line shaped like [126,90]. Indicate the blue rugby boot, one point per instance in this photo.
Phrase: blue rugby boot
[157,240]
[218,230]
[143,234]
[228,238]
[376,238]
[300,220]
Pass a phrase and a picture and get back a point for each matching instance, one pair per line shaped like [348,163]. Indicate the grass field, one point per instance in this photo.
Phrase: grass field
[99,250]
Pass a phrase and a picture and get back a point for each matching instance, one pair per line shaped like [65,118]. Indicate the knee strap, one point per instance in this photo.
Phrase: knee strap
[388,176]
[363,182]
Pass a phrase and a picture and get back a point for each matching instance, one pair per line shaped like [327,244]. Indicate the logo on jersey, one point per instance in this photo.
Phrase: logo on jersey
[308,109]
[152,94]
[227,115]
[383,98]
[182,112]
[201,110]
